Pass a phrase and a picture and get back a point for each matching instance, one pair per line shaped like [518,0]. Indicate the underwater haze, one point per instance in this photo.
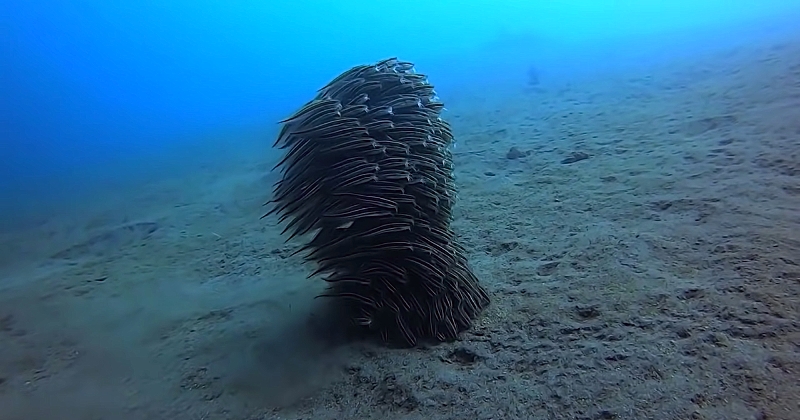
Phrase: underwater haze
[89,87]
[628,186]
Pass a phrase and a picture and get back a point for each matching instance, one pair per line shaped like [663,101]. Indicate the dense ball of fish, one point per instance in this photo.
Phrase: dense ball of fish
[368,169]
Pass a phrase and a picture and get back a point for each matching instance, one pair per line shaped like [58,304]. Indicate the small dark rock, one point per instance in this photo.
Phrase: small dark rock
[587,311]
[605,415]
[489,173]
[574,157]
[548,268]
[692,293]
[463,356]
[515,153]
[682,331]
[616,357]
[717,339]
[394,394]
[661,205]
[280,252]
[699,399]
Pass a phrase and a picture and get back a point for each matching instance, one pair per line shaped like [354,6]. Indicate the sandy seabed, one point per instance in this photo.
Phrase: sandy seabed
[656,276]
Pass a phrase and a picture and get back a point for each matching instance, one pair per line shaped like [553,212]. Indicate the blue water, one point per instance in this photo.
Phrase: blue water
[86,86]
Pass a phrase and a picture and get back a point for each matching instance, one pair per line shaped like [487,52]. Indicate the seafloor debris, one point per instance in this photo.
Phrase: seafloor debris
[515,153]
[574,157]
